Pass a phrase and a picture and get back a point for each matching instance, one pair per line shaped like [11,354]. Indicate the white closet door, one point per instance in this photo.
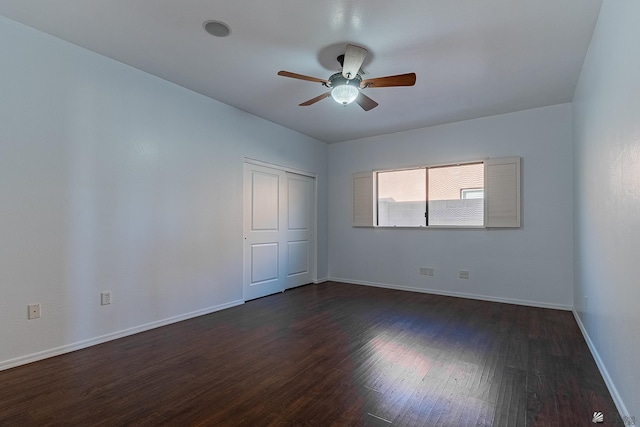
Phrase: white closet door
[299,233]
[265,219]
[279,226]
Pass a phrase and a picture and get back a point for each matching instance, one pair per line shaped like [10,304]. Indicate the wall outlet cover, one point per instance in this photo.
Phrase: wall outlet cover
[105,298]
[426,271]
[33,311]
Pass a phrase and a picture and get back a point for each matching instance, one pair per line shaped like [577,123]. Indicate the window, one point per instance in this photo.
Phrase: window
[432,196]
[446,204]
[478,194]
[472,193]
[402,198]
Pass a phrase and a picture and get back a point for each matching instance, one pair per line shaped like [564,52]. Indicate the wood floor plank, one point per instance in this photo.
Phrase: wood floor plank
[326,355]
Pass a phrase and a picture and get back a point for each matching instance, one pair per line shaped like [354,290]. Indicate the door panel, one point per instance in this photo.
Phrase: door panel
[265,200]
[298,202]
[264,240]
[299,233]
[264,263]
[298,257]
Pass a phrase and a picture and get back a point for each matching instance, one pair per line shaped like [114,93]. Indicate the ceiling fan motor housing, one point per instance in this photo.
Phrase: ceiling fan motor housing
[338,80]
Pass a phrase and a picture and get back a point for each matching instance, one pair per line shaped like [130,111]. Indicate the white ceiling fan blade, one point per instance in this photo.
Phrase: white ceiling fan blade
[353,59]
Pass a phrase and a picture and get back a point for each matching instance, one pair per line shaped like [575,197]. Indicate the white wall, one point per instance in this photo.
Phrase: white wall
[112,179]
[531,265]
[607,200]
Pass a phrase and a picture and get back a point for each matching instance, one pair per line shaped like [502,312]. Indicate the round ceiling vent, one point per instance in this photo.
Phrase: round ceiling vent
[217,28]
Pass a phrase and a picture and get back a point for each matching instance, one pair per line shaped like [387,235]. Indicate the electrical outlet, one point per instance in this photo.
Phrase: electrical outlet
[426,271]
[33,311]
[464,274]
[105,298]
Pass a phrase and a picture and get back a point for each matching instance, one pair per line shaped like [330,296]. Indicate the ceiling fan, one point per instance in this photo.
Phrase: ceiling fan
[346,85]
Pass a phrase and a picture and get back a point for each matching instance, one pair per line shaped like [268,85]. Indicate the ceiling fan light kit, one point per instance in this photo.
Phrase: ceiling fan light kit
[344,91]
[345,85]
[344,94]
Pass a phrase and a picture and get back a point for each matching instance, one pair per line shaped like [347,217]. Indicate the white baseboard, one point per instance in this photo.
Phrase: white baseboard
[23,360]
[456,294]
[321,280]
[622,409]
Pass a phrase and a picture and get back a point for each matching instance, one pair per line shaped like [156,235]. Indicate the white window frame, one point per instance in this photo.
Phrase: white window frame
[502,199]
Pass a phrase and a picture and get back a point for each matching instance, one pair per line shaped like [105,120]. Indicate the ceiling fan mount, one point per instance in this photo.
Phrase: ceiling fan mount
[346,85]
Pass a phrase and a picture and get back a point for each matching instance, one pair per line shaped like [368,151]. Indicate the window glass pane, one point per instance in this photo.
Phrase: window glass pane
[456,195]
[472,193]
[402,197]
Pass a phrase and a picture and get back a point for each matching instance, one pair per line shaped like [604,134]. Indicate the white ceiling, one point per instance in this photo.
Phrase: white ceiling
[473,58]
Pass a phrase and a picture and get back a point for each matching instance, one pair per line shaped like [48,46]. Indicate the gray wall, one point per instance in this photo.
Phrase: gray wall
[607,200]
[112,179]
[531,265]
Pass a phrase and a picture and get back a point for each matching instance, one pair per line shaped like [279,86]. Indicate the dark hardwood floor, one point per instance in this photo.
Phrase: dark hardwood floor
[326,355]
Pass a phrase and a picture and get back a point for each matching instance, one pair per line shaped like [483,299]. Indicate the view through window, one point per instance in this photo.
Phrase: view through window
[439,196]
[402,198]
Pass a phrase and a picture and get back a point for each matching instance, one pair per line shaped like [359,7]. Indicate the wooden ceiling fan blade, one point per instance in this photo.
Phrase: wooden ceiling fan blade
[365,102]
[408,79]
[301,77]
[353,59]
[316,99]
